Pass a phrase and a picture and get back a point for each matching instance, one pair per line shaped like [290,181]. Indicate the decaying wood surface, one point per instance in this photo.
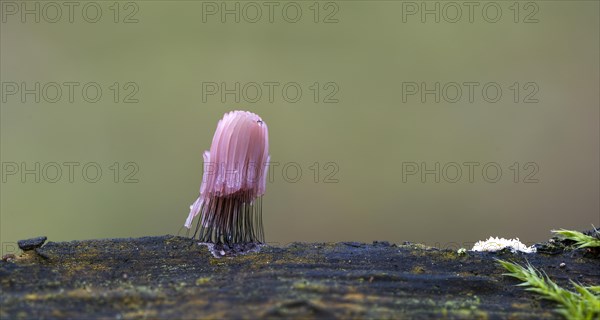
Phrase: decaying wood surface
[175,277]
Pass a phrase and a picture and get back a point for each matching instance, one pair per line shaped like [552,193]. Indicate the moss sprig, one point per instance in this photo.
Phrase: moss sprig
[583,303]
[581,240]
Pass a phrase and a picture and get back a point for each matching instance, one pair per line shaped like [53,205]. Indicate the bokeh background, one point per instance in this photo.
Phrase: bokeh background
[367,50]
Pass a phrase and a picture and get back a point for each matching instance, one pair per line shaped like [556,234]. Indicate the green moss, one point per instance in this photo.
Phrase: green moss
[417,270]
[583,303]
[311,286]
[581,240]
[202,281]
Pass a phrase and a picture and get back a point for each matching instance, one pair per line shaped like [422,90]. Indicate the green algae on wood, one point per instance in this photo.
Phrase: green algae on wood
[175,277]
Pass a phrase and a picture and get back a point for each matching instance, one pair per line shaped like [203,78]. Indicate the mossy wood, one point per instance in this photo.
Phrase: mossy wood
[175,277]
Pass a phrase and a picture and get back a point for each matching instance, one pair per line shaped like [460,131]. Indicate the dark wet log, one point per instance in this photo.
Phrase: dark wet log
[30,244]
[174,277]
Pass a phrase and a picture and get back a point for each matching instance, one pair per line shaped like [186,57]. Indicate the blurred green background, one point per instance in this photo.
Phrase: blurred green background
[368,50]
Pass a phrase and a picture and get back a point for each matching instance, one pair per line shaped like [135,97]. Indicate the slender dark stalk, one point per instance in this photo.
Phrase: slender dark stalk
[230,219]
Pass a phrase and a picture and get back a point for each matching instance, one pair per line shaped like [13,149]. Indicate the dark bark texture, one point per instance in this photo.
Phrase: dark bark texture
[175,277]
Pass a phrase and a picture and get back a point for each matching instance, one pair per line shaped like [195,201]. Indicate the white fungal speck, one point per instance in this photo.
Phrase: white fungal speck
[495,244]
